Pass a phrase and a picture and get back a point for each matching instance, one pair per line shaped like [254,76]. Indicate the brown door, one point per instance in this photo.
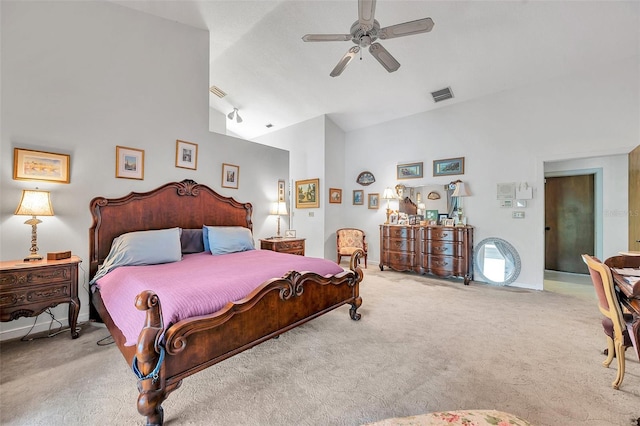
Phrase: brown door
[634,199]
[569,222]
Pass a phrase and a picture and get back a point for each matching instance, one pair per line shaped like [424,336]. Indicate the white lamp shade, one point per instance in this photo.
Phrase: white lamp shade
[461,190]
[388,194]
[279,208]
[35,203]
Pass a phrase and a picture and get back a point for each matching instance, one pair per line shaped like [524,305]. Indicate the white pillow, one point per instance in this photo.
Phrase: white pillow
[142,248]
[229,239]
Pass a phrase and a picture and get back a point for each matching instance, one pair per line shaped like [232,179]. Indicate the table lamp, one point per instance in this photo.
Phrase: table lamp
[460,192]
[388,195]
[34,203]
[278,209]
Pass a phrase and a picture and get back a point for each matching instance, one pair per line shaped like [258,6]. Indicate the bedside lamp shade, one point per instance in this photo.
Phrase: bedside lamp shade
[279,209]
[34,203]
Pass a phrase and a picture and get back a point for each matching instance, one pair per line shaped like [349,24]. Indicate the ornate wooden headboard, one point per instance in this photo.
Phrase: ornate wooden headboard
[185,204]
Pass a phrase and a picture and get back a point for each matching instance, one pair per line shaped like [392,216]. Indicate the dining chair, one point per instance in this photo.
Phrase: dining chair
[348,240]
[616,325]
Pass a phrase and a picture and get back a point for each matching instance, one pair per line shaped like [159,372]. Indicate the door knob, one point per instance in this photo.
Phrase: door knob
[547,228]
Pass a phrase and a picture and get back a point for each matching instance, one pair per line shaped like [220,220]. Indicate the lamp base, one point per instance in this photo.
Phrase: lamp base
[33,257]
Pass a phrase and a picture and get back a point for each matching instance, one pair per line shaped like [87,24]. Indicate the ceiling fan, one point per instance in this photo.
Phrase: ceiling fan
[365,31]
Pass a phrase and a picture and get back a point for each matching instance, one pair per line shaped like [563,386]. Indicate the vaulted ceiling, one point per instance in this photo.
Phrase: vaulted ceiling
[478,48]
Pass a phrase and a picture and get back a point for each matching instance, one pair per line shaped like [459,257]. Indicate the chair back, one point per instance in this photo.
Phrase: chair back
[350,237]
[607,298]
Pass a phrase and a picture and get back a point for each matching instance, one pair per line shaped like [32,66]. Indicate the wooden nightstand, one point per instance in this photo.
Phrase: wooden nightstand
[28,288]
[284,245]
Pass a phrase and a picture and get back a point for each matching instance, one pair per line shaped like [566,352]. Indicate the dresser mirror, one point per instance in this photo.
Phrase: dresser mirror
[496,261]
[426,197]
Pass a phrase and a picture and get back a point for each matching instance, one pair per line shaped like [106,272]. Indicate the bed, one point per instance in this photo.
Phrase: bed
[165,352]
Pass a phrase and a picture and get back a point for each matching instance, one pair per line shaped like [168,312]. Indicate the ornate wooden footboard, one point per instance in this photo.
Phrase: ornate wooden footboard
[160,361]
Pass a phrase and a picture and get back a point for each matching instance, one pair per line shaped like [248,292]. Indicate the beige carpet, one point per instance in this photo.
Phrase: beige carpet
[422,345]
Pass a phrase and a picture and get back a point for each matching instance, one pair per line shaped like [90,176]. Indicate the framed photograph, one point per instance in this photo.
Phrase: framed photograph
[308,194]
[186,155]
[129,163]
[335,195]
[449,222]
[374,201]
[39,165]
[431,214]
[449,166]
[442,217]
[230,176]
[409,171]
[281,189]
[290,233]
[393,219]
[358,197]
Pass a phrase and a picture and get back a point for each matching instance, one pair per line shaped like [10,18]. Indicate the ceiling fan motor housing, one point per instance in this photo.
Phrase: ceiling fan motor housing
[362,37]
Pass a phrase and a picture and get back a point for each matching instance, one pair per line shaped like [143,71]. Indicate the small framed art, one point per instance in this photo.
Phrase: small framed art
[449,166]
[186,155]
[129,163]
[39,165]
[290,233]
[308,194]
[281,188]
[335,195]
[431,215]
[442,217]
[374,201]
[409,171]
[358,197]
[230,176]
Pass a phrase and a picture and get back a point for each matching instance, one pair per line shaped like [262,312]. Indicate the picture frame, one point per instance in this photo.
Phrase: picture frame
[308,194]
[374,200]
[281,191]
[40,166]
[365,178]
[448,166]
[442,217]
[409,171]
[393,219]
[358,197]
[129,163]
[230,176]
[448,222]
[431,214]
[186,155]
[290,233]
[335,195]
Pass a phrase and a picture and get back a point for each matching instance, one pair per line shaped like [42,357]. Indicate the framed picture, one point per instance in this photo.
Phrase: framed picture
[230,176]
[431,214]
[308,194]
[39,165]
[449,166]
[186,155]
[358,197]
[442,217]
[393,219]
[448,222]
[290,233]
[409,171]
[374,201]
[129,163]
[335,195]
[365,178]
[281,188]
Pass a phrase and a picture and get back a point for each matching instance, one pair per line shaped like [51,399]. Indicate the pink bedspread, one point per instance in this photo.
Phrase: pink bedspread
[200,284]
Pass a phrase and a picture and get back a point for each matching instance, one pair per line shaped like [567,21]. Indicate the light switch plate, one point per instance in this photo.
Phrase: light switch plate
[517,215]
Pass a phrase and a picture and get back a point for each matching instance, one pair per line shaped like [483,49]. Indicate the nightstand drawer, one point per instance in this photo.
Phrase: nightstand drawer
[34,276]
[284,245]
[32,295]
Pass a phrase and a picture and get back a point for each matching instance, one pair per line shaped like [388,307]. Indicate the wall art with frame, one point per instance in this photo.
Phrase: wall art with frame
[358,197]
[129,163]
[448,166]
[374,201]
[40,165]
[230,176]
[308,194]
[409,171]
[335,195]
[281,191]
[186,155]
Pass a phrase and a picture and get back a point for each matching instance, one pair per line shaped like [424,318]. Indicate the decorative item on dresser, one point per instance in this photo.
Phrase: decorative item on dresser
[444,251]
[28,288]
[283,245]
[34,203]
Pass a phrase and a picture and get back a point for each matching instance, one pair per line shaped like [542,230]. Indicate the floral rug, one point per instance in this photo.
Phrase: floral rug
[454,418]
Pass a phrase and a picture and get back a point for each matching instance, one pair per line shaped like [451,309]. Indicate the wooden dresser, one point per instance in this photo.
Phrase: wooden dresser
[284,245]
[28,288]
[444,251]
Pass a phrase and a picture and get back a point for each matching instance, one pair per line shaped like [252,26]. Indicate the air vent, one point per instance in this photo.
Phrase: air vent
[268,126]
[442,95]
[217,91]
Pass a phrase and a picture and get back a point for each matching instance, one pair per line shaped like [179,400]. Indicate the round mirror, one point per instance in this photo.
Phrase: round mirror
[496,261]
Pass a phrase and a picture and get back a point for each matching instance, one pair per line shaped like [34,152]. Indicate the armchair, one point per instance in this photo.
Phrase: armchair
[348,240]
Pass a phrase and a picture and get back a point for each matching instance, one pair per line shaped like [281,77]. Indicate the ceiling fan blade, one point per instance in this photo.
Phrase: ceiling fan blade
[384,57]
[366,11]
[408,28]
[345,61]
[326,37]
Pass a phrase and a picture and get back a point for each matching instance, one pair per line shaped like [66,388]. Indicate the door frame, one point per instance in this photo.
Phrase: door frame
[597,195]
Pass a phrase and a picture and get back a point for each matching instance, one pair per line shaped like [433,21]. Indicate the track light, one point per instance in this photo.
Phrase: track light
[235,113]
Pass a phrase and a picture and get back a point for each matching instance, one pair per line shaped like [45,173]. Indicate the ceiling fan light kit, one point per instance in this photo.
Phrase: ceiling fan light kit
[364,33]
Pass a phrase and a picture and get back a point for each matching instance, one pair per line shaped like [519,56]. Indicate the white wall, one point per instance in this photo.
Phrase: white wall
[82,77]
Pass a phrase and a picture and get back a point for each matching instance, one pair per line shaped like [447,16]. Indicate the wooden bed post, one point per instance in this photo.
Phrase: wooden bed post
[354,266]
[148,360]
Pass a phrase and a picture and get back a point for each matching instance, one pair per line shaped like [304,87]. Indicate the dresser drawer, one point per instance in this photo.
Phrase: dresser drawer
[17,277]
[394,244]
[401,261]
[442,248]
[443,266]
[440,233]
[36,295]
[291,246]
[407,232]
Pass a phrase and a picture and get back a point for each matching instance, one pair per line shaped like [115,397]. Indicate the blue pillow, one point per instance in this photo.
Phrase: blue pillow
[142,248]
[227,239]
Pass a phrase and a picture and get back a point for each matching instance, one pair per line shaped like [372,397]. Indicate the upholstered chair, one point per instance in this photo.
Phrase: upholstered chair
[616,325]
[348,240]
